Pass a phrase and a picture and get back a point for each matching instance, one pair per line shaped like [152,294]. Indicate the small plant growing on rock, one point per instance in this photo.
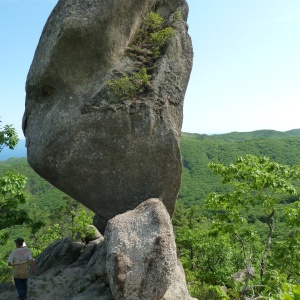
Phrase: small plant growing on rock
[154,21]
[122,87]
[176,16]
[159,38]
[141,79]
[128,87]
[156,33]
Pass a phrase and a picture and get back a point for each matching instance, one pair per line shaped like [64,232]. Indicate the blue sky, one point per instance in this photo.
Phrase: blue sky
[246,68]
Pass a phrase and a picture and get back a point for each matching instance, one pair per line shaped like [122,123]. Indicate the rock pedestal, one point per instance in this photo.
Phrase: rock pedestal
[141,252]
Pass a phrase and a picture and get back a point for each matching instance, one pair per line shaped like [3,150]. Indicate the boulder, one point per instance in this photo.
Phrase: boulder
[63,252]
[109,153]
[90,233]
[141,252]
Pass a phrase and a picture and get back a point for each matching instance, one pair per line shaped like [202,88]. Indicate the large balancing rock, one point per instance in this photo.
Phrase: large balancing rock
[108,149]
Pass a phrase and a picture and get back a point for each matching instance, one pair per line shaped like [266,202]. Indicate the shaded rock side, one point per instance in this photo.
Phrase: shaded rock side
[110,154]
[178,288]
[62,253]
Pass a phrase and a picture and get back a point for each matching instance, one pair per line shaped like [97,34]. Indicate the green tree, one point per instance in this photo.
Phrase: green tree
[12,193]
[8,137]
[11,196]
[286,252]
[255,182]
[69,219]
[156,34]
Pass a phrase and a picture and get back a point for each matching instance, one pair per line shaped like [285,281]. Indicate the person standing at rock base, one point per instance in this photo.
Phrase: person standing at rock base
[20,259]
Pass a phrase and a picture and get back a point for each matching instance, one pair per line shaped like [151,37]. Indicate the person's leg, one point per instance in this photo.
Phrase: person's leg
[24,283]
[18,285]
[21,286]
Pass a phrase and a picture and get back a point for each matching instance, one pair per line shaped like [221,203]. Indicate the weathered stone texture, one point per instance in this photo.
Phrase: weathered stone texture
[110,156]
[141,252]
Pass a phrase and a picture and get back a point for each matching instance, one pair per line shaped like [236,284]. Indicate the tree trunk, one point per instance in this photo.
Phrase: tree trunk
[270,222]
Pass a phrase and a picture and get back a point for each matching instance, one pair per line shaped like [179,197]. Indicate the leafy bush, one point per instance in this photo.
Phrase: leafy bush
[204,291]
[12,195]
[122,87]
[176,16]
[128,86]
[159,38]
[141,79]
[8,137]
[156,33]
[154,21]
[5,272]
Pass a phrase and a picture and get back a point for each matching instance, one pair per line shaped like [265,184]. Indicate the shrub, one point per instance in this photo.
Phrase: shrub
[128,87]
[159,38]
[204,291]
[154,21]
[176,16]
[122,87]
[141,79]
[156,33]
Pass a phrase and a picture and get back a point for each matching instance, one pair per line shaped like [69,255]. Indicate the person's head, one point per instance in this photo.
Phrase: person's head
[19,242]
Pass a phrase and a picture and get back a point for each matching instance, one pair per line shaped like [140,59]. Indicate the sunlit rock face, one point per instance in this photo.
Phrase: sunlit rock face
[110,154]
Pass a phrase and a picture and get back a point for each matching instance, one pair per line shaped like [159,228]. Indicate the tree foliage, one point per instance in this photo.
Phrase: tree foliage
[12,193]
[156,33]
[11,196]
[8,137]
[229,250]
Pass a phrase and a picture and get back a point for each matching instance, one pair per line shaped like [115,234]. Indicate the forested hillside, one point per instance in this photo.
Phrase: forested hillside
[241,136]
[212,249]
[199,150]
[244,234]
[43,194]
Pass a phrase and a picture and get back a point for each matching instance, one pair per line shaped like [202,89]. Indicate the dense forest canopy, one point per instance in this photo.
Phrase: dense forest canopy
[199,150]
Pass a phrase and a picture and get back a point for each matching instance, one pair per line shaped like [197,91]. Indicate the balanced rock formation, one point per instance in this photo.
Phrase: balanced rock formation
[104,102]
[135,260]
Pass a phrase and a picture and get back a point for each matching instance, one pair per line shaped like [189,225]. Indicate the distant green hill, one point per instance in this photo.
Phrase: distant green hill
[199,150]
[41,192]
[18,151]
[197,181]
[242,136]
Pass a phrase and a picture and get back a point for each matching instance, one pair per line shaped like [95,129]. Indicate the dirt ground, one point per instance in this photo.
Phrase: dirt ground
[53,285]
